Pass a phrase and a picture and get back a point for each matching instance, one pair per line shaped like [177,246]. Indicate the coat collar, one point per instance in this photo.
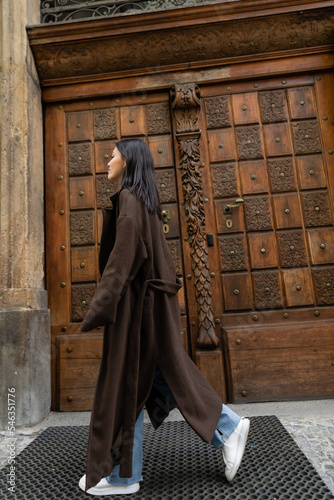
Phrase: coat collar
[113,199]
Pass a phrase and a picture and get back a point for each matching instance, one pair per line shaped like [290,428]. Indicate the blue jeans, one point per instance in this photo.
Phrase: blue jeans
[227,423]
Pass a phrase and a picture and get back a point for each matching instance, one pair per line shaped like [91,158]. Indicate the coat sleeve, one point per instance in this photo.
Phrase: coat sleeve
[125,260]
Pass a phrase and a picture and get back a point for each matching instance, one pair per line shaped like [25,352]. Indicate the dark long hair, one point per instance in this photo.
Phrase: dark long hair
[139,176]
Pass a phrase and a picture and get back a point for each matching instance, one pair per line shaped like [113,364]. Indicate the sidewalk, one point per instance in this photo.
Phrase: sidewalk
[311,424]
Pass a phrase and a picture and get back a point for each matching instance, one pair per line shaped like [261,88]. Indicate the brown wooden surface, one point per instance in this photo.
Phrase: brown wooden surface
[278,215]
[270,142]
[211,365]
[79,357]
[72,370]
[281,363]
[80,346]
[87,138]
[263,152]
[262,276]
[57,228]
[76,399]
[225,23]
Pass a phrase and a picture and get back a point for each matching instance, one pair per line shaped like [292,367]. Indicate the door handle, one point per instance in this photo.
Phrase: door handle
[228,209]
[165,214]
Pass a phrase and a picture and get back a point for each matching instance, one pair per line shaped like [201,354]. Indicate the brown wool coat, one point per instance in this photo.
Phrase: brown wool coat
[137,303]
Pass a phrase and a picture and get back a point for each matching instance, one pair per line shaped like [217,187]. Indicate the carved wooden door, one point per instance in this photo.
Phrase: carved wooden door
[257,189]
[269,275]
[259,276]
[79,140]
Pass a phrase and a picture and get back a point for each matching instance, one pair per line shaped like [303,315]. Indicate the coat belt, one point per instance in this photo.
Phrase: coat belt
[170,287]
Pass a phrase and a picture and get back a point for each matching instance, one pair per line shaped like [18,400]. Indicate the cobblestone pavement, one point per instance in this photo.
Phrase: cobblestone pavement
[314,435]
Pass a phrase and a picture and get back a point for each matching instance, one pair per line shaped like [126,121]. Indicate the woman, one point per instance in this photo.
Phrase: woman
[143,361]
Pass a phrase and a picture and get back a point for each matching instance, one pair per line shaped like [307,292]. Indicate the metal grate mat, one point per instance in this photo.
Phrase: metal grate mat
[178,465]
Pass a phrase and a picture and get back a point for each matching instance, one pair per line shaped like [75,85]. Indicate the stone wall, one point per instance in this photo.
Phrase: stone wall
[24,317]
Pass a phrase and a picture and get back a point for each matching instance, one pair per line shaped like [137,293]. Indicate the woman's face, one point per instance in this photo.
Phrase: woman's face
[116,166]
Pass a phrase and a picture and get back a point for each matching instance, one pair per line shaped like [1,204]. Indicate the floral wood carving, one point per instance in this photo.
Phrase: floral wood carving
[81,298]
[104,189]
[282,175]
[267,290]
[258,213]
[317,209]
[186,106]
[175,250]
[306,137]
[324,279]
[292,248]
[79,159]
[166,185]
[273,106]
[105,125]
[217,112]
[177,45]
[232,253]
[249,143]
[82,228]
[224,180]
[158,121]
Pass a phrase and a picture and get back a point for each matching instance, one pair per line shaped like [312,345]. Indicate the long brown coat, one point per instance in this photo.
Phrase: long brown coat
[137,303]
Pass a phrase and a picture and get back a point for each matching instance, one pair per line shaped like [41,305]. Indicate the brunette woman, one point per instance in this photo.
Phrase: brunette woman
[143,360]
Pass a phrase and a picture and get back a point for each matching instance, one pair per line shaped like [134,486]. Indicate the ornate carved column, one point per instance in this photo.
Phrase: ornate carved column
[186,106]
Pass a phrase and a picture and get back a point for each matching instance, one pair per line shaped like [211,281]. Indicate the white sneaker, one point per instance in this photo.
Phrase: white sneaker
[104,488]
[234,448]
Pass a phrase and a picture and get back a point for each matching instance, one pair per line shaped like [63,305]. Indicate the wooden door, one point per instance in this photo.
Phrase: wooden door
[258,278]
[80,137]
[270,143]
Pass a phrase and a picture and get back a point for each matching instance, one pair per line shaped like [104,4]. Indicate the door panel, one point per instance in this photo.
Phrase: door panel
[103,154]
[316,207]
[293,370]
[237,217]
[321,243]
[132,121]
[311,172]
[292,249]
[245,108]
[301,103]
[282,175]
[250,144]
[81,193]
[236,289]
[254,177]
[277,139]
[222,145]
[161,148]
[287,211]
[306,137]
[77,184]
[301,293]
[79,126]
[263,250]
[273,106]
[275,250]
[233,252]
[267,289]
[258,213]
